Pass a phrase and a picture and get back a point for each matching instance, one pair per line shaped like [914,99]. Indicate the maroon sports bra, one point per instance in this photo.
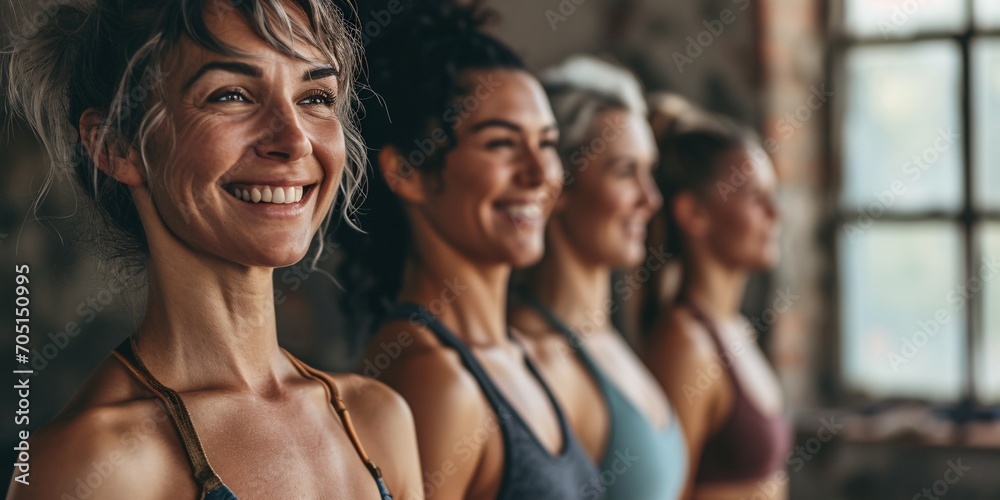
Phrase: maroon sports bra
[749,445]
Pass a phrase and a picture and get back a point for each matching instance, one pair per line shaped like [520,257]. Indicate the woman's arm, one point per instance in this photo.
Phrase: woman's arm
[448,409]
[385,427]
[680,356]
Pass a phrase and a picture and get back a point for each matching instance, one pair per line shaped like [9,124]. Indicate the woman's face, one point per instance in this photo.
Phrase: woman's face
[743,217]
[610,193]
[499,181]
[258,150]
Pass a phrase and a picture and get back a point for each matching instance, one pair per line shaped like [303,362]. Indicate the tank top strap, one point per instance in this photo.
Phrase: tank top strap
[575,341]
[416,313]
[713,332]
[333,394]
[205,476]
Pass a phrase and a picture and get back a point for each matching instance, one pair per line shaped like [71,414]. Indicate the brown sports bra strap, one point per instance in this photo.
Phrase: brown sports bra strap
[338,404]
[203,472]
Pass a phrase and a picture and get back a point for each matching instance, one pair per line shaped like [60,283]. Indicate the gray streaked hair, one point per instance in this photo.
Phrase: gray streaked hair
[583,87]
[111,56]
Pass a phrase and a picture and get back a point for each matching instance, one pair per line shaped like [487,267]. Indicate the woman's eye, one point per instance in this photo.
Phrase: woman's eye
[231,96]
[319,100]
[500,143]
[550,144]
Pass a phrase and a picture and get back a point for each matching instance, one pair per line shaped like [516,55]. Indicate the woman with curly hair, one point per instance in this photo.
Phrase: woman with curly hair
[213,137]
[467,173]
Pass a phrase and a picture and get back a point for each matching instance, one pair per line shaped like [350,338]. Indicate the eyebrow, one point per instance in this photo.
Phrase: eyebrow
[241,68]
[498,122]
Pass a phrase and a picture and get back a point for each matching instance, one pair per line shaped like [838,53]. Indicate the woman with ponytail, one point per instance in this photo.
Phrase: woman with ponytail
[564,304]
[213,138]
[721,227]
[466,175]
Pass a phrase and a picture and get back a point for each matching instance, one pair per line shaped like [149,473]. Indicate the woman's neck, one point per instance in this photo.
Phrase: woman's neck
[469,297]
[577,292]
[712,286]
[210,324]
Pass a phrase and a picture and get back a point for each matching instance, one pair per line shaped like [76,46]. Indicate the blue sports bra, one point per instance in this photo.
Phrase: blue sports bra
[646,461]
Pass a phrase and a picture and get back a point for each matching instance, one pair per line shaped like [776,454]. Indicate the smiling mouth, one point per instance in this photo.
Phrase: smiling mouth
[276,195]
[523,211]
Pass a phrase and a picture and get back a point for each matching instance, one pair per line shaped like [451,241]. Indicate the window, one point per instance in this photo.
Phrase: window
[916,132]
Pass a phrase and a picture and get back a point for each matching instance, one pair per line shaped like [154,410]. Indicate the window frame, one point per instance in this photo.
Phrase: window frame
[969,218]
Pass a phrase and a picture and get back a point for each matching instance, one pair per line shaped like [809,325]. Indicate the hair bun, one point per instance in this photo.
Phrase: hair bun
[588,73]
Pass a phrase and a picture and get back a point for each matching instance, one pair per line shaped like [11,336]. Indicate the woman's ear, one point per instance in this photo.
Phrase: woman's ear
[108,158]
[401,177]
[690,214]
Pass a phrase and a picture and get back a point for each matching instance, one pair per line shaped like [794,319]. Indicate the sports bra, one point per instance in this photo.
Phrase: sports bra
[530,470]
[749,445]
[210,484]
[654,459]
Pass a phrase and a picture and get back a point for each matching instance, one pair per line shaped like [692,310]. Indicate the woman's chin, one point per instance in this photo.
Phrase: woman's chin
[273,258]
[525,254]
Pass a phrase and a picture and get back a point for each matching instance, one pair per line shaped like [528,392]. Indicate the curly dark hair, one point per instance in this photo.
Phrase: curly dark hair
[418,69]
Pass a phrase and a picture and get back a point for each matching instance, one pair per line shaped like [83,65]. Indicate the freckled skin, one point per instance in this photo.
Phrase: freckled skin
[209,327]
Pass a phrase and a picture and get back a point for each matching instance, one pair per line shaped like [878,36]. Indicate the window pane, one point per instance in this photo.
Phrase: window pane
[986,107]
[903,327]
[988,372]
[987,13]
[901,128]
[895,18]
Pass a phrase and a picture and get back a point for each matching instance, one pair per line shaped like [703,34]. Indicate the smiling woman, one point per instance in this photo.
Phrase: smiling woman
[214,137]
[467,174]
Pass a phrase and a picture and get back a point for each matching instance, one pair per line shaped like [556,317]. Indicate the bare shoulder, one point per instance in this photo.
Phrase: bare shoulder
[384,425]
[679,339]
[446,403]
[108,439]
[375,400]
[424,371]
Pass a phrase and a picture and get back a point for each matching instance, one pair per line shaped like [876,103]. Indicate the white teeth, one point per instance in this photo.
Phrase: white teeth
[529,211]
[270,194]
